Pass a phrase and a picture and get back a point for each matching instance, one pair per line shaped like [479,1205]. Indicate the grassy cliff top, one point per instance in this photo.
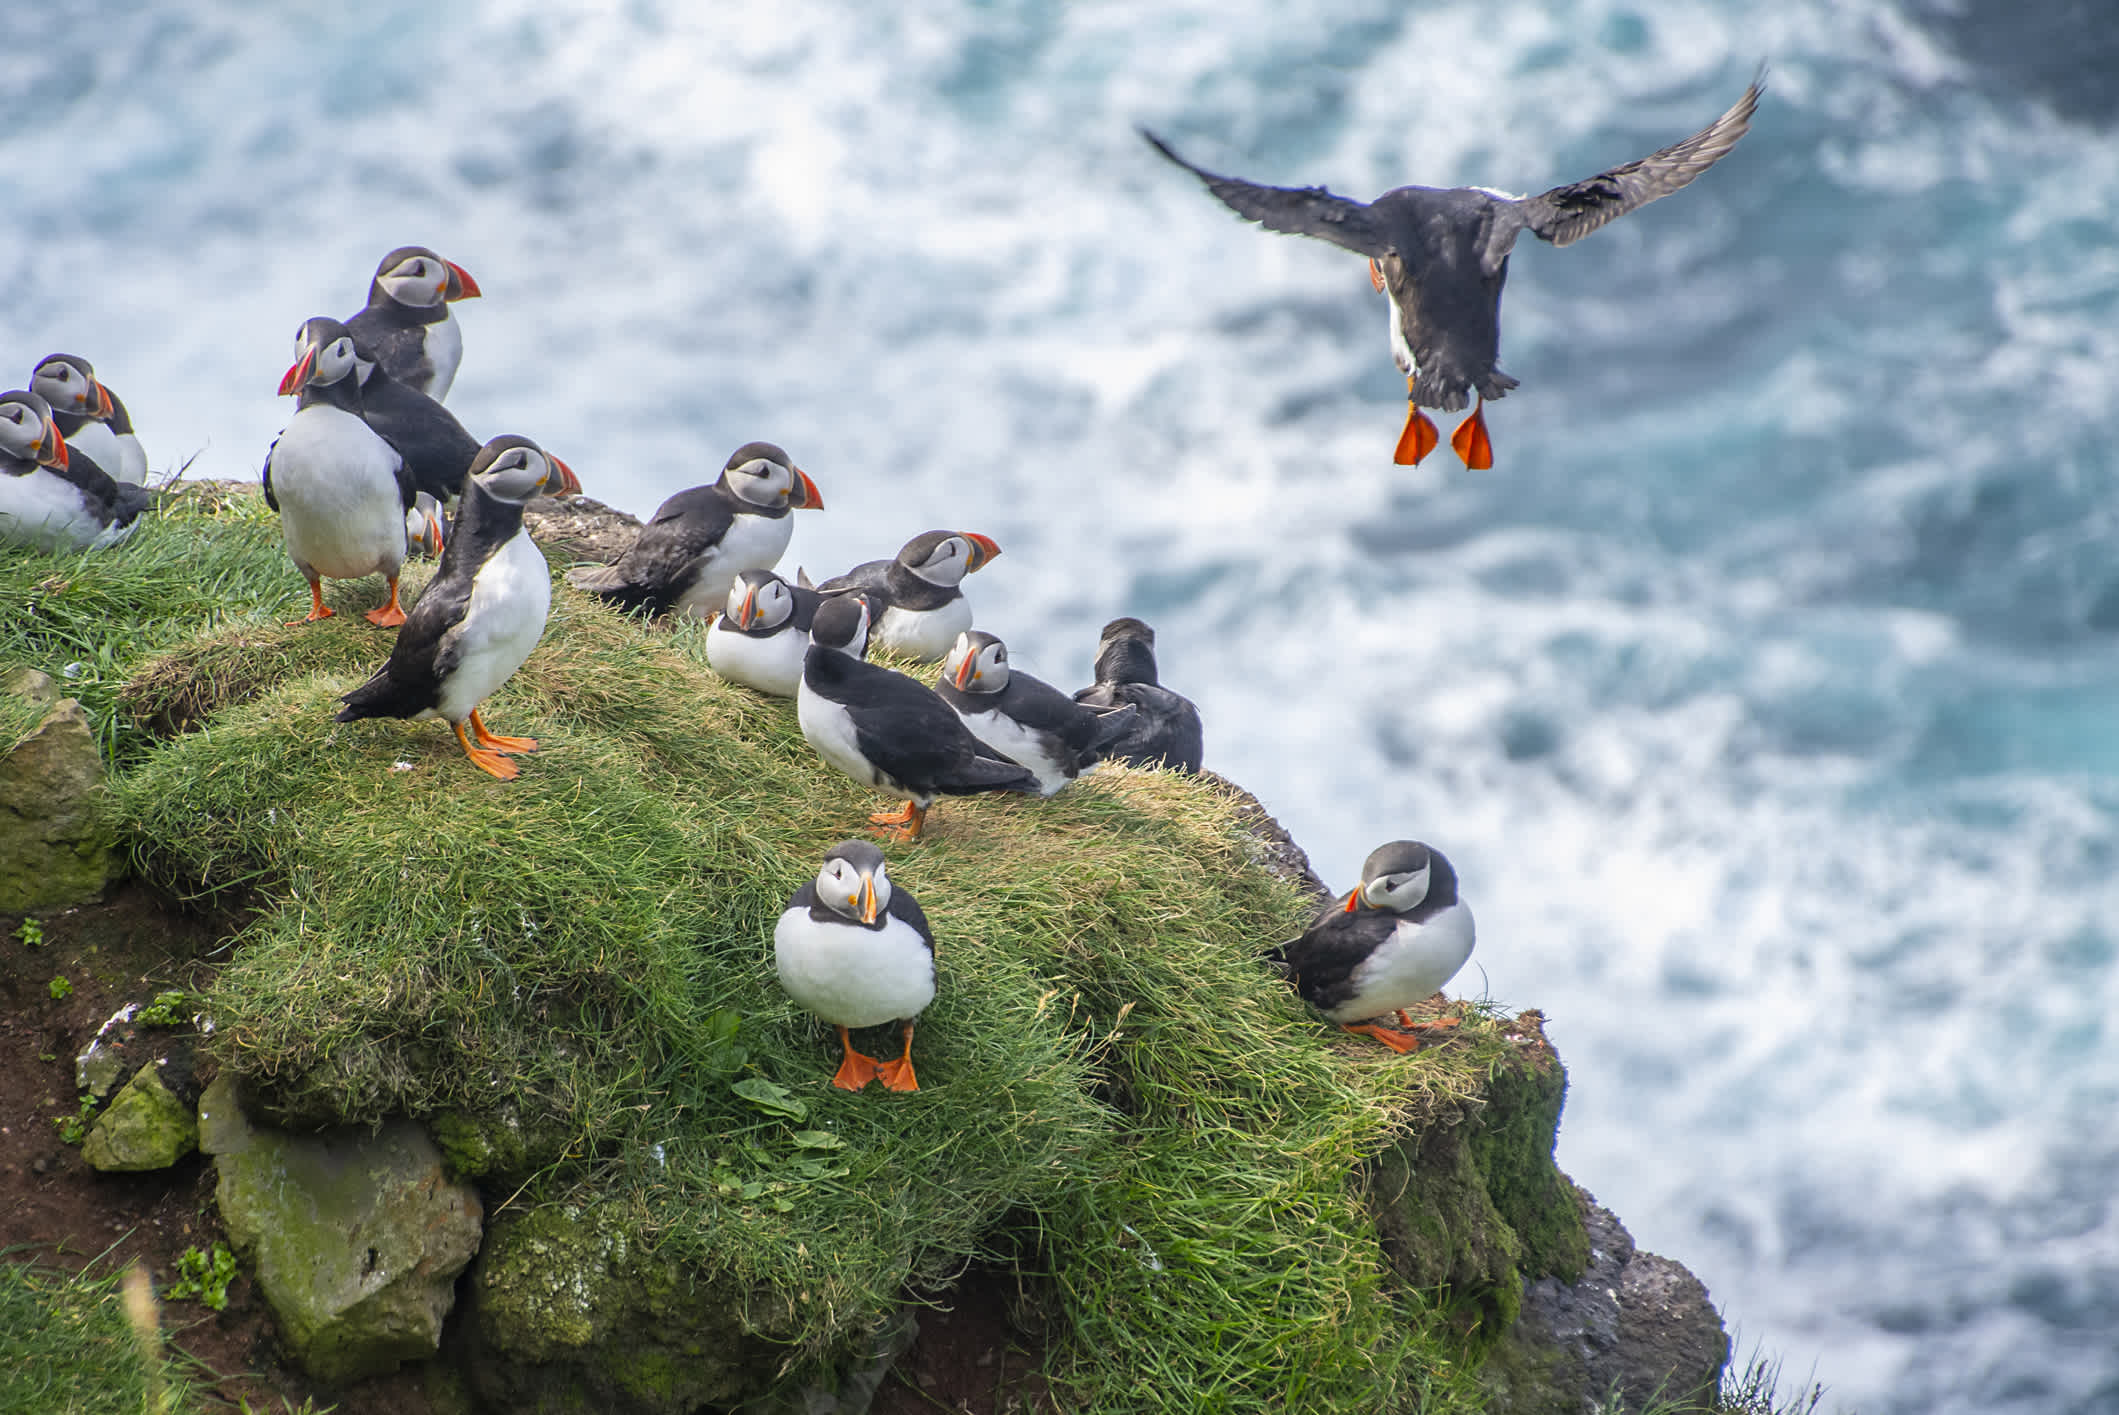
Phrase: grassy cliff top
[574,969]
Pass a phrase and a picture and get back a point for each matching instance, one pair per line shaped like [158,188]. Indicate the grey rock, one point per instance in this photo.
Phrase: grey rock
[580,527]
[147,1127]
[355,1237]
[55,848]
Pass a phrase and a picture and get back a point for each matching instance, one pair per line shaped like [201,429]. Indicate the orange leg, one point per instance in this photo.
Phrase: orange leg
[898,1074]
[389,616]
[1419,437]
[1471,441]
[492,762]
[856,1070]
[317,608]
[1400,1042]
[908,821]
[495,743]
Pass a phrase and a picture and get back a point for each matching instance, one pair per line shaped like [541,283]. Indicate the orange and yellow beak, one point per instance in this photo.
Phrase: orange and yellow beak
[1353,901]
[103,404]
[297,378]
[1376,276]
[750,604]
[569,484]
[868,899]
[461,286]
[983,549]
[967,671]
[805,494]
[51,452]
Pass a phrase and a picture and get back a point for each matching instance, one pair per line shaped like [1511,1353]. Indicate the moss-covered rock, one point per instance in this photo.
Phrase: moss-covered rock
[148,1126]
[55,848]
[574,1314]
[499,1147]
[355,1238]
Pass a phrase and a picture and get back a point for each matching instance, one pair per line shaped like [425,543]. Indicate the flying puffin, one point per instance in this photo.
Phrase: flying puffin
[1165,730]
[1441,256]
[50,499]
[90,416]
[341,491]
[699,540]
[856,951]
[884,729]
[1023,718]
[481,614]
[406,326]
[762,635]
[1393,941]
[917,598]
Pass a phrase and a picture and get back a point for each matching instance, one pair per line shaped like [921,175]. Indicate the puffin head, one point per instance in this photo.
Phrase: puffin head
[68,382]
[27,432]
[945,557]
[323,354]
[763,475]
[852,881]
[1399,876]
[977,663]
[841,623]
[516,469]
[759,599]
[415,276]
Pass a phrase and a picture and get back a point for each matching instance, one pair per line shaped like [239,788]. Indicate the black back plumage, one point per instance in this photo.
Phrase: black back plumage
[1165,728]
[887,583]
[1085,733]
[662,564]
[436,448]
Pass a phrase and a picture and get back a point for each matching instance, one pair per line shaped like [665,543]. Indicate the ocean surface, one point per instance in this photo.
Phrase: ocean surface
[1765,693]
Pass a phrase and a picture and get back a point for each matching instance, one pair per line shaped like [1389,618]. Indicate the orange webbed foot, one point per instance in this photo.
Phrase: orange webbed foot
[494,742]
[856,1070]
[1400,1042]
[898,1074]
[1471,442]
[1418,439]
[490,762]
[317,608]
[389,616]
[906,823]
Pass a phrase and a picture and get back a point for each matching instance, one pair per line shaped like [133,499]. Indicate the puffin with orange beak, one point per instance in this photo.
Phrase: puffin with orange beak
[51,500]
[763,633]
[407,327]
[1023,718]
[690,552]
[917,599]
[341,491]
[481,614]
[91,418]
[856,950]
[1393,941]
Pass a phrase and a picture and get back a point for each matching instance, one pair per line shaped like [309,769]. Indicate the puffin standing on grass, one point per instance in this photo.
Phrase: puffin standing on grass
[1441,256]
[91,418]
[1023,718]
[1394,941]
[699,540]
[857,951]
[917,598]
[341,491]
[762,635]
[50,499]
[1165,731]
[884,729]
[406,326]
[481,614]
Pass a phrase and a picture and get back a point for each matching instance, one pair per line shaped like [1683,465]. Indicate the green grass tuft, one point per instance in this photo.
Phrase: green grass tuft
[67,1349]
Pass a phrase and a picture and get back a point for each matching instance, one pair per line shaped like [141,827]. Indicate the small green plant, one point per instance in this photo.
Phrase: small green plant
[204,1275]
[61,989]
[74,1128]
[169,1009]
[31,932]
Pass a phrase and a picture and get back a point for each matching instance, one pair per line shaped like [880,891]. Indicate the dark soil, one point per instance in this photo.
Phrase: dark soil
[969,1357]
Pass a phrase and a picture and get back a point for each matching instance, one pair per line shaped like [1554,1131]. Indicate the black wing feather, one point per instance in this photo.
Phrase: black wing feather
[1296,211]
[1322,962]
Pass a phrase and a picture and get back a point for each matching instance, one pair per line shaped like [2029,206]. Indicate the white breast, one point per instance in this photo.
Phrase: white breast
[852,976]
[336,483]
[121,457]
[770,665]
[45,512]
[1017,743]
[751,543]
[445,350]
[510,596]
[924,634]
[1400,350]
[829,728]
[1411,965]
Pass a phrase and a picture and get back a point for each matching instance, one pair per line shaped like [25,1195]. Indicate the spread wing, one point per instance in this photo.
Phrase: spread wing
[1566,214]
[1297,211]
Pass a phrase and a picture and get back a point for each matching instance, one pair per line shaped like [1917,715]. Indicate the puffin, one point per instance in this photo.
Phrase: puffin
[91,418]
[856,950]
[917,598]
[51,498]
[406,326]
[1023,718]
[698,541]
[1395,939]
[762,635]
[1165,730]
[1440,254]
[884,729]
[341,491]
[481,614]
